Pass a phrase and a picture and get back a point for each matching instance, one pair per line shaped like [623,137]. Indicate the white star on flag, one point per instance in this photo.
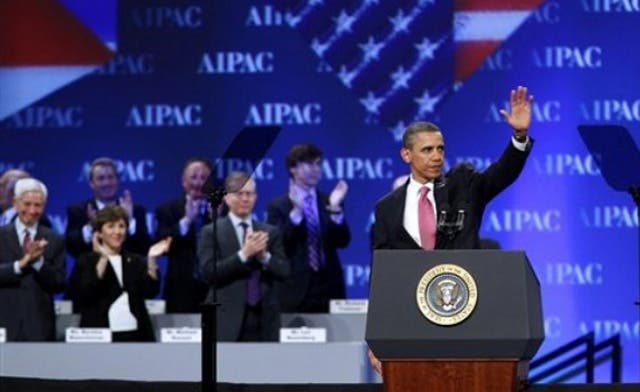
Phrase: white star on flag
[426,48]
[319,47]
[426,103]
[346,76]
[371,49]
[371,103]
[400,78]
[400,22]
[397,131]
[344,22]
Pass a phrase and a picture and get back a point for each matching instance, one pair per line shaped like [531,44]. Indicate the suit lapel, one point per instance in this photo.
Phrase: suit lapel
[14,244]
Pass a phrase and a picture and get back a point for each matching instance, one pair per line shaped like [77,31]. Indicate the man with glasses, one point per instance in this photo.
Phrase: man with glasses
[250,264]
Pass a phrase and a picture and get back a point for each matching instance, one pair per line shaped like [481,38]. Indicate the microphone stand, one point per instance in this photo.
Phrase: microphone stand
[450,229]
[634,190]
[209,314]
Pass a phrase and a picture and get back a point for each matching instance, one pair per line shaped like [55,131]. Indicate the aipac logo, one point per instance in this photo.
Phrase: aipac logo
[610,217]
[603,329]
[351,168]
[615,109]
[557,57]
[574,274]
[566,164]
[129,64]
[518,220]
[47,117]
[265,16]
[284,113]
[548,13]
[545,111]
[129,171]
[236,62]
[261,169]
[164,115]
[610,6]
[165,17]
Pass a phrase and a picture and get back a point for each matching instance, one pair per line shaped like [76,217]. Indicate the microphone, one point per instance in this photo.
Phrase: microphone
[450,226]
[442,217]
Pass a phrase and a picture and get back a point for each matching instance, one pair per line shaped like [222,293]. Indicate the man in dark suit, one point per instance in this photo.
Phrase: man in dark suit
[103,180]
[31,268]
[250,265]
[406,217]
[397,219]
[313,227]
[182,219]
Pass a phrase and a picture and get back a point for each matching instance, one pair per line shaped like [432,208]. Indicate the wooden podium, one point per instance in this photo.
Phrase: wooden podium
[489,350]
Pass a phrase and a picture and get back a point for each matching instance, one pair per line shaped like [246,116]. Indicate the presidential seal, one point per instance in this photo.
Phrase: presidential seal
[447,294]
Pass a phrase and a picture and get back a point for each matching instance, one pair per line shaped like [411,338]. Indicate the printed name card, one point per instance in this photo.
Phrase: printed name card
[180,335]
[348,306]
[63,306]
[155,306]
[303,335]
[88,335]
[3,335]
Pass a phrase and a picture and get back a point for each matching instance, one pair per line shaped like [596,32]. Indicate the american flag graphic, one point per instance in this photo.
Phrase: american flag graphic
[403,58]
[43,47]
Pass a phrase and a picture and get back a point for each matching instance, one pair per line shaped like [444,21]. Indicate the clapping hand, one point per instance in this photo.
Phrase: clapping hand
[296,195]
[126,202]
[159,248]
[338,194]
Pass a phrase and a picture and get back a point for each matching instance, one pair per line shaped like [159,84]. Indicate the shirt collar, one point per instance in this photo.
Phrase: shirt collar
[20,227]
[415,186]
[235,219]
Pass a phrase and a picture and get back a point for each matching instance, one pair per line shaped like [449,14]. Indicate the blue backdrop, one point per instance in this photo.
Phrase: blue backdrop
[186,76]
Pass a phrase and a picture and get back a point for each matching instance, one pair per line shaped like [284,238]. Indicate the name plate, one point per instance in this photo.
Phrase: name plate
[156,306]
[63,306]
[88,335]
[180,335]
[303,335]
[3,335]
[348,306]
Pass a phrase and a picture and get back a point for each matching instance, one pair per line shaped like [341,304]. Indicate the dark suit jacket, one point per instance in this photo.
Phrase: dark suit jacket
[95,296]
[232,276]
[137,243]
[462,187]
[182,291]
[332,236]
[26,300]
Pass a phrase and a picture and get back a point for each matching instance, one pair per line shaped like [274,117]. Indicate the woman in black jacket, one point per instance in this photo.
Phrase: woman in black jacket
[111,285]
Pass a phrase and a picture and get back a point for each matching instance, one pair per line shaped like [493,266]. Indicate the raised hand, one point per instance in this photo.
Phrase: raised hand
[126,202]
[520,116]
[338,194]
[159,248]
[91,213]
[296,195]
[191,208]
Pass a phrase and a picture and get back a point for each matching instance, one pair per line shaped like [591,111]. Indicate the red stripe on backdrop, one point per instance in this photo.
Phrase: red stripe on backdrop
[494,5]
[470,55]
[43,32]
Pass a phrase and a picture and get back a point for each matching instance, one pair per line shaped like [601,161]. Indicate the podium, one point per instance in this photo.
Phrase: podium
[453,320]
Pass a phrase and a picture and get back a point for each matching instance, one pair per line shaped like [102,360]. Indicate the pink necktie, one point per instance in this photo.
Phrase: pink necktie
[426,220]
